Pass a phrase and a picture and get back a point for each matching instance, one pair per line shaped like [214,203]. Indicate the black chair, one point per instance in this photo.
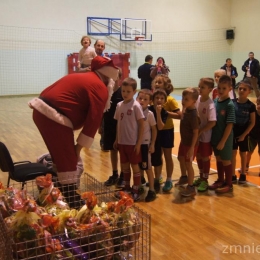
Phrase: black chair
[20,171]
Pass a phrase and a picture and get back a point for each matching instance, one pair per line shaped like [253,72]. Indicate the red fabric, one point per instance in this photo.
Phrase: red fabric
[183,149]
[128,154]
[214,93]
[82,98]
[99,62]
[204,149]
[59,140]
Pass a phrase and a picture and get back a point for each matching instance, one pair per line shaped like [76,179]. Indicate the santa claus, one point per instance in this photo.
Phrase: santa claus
[75,101]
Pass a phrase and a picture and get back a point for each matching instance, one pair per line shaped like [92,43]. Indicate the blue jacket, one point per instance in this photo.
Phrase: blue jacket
[254,67]
[144,72]
[233,73]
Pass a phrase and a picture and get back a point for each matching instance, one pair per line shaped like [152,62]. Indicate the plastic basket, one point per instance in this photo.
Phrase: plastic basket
[113,243]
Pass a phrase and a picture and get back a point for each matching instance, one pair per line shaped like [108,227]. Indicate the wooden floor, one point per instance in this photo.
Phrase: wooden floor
[209,226]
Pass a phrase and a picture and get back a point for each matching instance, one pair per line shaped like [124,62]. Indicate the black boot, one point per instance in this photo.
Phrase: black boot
[69,191]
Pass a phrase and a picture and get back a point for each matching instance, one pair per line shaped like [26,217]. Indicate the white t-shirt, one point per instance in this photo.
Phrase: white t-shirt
[149,121]
[207,112]
[127,116]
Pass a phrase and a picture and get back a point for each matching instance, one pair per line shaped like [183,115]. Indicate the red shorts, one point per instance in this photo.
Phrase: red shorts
[204,149]
[128,154]
[183,149]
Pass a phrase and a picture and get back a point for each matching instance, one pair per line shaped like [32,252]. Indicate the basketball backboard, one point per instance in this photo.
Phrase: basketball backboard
[132,28]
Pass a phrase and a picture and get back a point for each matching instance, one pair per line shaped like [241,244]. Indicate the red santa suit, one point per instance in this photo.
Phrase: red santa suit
[75,101]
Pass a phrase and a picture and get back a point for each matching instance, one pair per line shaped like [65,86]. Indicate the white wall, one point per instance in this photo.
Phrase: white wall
[37,35]
[245,19]
[167,15]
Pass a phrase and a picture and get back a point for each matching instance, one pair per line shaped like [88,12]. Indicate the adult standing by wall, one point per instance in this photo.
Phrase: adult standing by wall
[160,68]
[231,71]
[251,69]
[144,72]
[75,101]
[99,47]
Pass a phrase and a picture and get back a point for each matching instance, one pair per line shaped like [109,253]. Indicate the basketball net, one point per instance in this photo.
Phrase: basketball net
[139,40]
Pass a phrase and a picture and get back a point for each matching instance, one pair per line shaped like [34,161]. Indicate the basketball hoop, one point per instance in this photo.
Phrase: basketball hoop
[139,40]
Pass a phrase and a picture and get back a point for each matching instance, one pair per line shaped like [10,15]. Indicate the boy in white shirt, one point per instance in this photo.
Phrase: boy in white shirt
[130,128]
[150,131]
[207,115]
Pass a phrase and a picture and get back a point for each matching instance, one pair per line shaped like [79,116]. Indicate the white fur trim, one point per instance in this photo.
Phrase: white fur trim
[69,177]
[110,87]
[85,140]
[109,72]
[49,112]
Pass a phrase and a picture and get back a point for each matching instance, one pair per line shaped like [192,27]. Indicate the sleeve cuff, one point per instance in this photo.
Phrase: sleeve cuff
[85,140]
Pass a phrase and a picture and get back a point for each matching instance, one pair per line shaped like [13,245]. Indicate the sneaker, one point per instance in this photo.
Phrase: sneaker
[215,185]
[167,186]
[189,191]
[151,195]
[242,179]
[120,182]
[112,180]
[234,179]
[225,188]
[203,186]
[143,181]
[137,195]
[247,168]
[161,180]
[183,180]
[197,182]
[157,186]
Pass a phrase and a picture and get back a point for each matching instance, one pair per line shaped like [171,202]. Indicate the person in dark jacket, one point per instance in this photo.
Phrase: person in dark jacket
[251,69]
[231,71]
[144,72]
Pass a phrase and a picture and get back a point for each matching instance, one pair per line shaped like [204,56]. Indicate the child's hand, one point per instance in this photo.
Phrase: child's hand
[151,148]
[240,138]
[220,145]
[79,65]
[115,145]
[158,108]
[190,153]
[137,149]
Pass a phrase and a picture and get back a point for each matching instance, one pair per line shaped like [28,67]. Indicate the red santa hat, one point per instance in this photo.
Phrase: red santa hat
[105,66]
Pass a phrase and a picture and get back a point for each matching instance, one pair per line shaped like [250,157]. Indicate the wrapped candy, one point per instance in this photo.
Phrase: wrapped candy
[50,197]
[65,226]
[94,231]
[126,229]
[27,233]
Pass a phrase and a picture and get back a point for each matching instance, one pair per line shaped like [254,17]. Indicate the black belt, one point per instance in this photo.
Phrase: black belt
[49,104]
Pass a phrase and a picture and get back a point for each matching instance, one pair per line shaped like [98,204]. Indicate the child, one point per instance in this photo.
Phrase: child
[222,136]
[150,131]
[167,134]
[130,128]
[217,74]
[254,137]
[159,98]
[245,121]
[189,131]
[109,135]
[207,115]
[86,54]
